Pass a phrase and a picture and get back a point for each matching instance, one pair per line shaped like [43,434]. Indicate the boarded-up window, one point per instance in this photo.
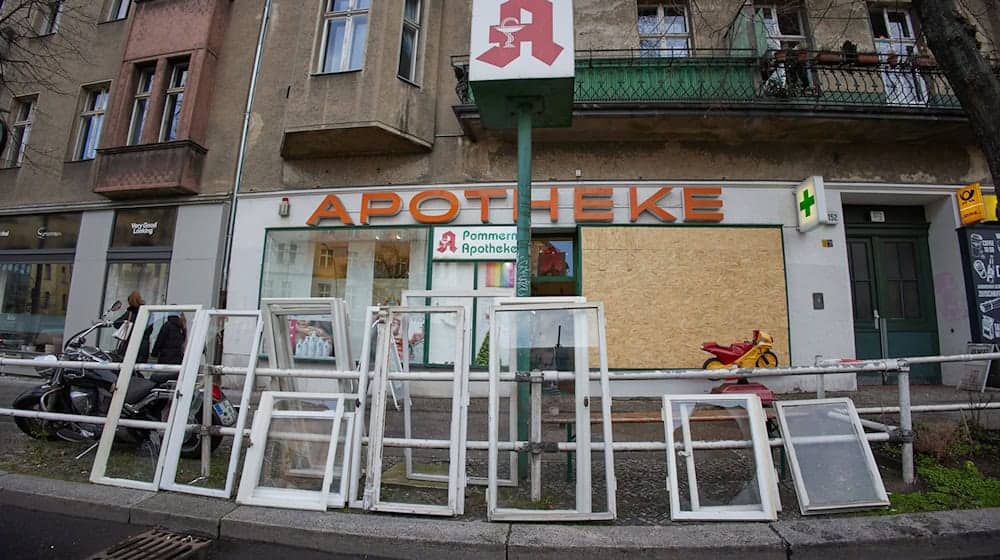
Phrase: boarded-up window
[668,289]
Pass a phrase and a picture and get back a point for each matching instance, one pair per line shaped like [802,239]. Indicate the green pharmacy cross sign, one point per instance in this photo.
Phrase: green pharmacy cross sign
[810,202]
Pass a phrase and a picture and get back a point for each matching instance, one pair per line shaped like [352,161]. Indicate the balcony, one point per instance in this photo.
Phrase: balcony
[150,170]
[739,85]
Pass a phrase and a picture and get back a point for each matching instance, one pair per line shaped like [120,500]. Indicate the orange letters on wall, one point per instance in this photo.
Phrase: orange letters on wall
[649,205]
[699,203]
[419,198]
[484,196]
[589,203]
[368,209]
[331,207]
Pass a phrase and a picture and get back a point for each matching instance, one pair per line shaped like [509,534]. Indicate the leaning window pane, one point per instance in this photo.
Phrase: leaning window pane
[335,31]
[358,42]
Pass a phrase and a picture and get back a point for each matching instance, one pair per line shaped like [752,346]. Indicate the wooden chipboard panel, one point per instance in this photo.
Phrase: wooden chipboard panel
[668,289]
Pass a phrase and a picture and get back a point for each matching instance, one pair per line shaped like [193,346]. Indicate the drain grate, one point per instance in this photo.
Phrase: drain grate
[156,544]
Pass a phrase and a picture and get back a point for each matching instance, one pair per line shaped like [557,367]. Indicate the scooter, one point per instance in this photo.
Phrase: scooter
[88,392]
[746,354]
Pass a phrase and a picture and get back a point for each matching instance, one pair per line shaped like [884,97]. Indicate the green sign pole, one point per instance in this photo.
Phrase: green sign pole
[523,269]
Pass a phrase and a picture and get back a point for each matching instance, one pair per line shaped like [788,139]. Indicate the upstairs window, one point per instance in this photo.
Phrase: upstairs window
[174,101]
[24,115]
[893,31]
[91,122]
[345,31]
[143,90]
[46,19]
[409,41]
[119,9]
[784,28]
[664,30]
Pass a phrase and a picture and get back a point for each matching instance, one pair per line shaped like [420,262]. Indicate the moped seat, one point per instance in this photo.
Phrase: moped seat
[162,377]
[138,387]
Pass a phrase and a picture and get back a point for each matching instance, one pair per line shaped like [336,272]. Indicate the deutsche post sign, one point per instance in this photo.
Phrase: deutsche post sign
[971,209]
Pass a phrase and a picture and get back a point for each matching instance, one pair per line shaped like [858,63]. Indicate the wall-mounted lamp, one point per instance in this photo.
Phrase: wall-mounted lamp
[284,208]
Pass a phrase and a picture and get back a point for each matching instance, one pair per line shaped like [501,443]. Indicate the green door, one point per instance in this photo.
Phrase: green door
[891,279]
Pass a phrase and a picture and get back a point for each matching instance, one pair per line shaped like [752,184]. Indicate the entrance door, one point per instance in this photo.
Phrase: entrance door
[891,281]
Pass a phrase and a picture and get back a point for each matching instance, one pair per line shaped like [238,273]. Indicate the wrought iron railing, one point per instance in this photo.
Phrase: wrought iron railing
[807,80]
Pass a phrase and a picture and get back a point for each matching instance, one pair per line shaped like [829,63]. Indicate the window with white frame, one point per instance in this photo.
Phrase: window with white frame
[143,91]
[783,24]
[20,130]
[174,101]
[410,41]
[47,17]
[893,30]
[91,122]
[119,9]
[664,30]
[344,34]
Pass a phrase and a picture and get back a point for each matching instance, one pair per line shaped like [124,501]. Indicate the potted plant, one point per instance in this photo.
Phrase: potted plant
[829,57]
[867,59]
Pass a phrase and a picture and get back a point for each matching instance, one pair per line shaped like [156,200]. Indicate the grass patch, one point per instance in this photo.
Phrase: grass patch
[962,487]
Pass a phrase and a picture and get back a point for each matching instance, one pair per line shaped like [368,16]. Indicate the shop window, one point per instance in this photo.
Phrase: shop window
[28,321]
[144,227]
[174,101]
[344,34]
[664,30]
[148,278]
[24,111]
[143,91]
[91,122]
[40,231]
[409,41]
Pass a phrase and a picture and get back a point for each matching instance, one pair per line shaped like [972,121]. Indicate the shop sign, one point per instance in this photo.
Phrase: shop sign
[521,39]
[496,243]
[971,209]
[40,231]
[810,203]
[588,205]
[981,261]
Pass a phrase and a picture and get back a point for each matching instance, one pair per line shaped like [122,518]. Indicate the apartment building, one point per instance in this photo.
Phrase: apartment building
[121,154]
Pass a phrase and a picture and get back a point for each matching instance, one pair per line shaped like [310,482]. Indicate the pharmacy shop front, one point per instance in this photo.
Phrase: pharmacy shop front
[675,264]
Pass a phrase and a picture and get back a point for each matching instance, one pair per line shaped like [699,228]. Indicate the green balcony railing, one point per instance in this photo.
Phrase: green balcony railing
[805,80]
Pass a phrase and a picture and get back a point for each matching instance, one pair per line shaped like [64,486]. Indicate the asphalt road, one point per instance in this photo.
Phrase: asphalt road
[27,535]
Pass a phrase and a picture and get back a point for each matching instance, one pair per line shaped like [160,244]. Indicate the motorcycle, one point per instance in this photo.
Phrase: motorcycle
[88,392]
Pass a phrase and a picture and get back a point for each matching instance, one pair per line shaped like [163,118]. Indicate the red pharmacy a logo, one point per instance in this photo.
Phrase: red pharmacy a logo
[447,242]
[512,30]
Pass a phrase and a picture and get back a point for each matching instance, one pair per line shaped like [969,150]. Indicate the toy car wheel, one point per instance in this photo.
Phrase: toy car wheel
[713,363]
[767,359]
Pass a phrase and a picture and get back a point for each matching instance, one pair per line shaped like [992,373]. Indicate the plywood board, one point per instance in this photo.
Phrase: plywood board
[668,289]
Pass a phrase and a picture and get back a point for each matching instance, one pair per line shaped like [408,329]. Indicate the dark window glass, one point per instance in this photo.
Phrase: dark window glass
[42,231]
[878,23]
[144,227]
[861,293]
[788,22]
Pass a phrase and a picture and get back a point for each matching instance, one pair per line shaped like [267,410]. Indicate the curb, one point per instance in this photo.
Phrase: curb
[947,534]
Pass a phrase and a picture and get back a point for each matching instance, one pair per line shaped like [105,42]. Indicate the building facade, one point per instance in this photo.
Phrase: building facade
[366,171]
[120,159]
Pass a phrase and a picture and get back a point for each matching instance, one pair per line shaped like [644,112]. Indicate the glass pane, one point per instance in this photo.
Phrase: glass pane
[179,78]
[788,22]
[144,227]
[899,25]
[362,4]
[33,300]
[172,116]
[339,5]
[552,257]
[722,477]
[335,30]
[40,231]
[648,20]
[146,80]
[295,453]
[674,20]
[859,261]
[677,47]
[651,45]
[408,42]
[411,11]
[497,274]
[150,280]
[834,462]
[878,23]
[862,298]
[138,121]
[358,41]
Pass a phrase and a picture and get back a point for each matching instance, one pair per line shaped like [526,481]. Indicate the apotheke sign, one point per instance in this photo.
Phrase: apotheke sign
[475,243]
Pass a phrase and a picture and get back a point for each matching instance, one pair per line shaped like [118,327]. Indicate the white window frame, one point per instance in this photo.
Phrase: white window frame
[174,442]
[767,485]
[91,111]
[661,38]
[24,118]
[141,96]
[128,363]
[415,27]
[329,15]
[179,72]
[419,297]
[583,510]
[370,340]
[779,37]
[903,85]
[275,312]
[119,10]
[48,18]
[251,493]
[380,392]
[859,434]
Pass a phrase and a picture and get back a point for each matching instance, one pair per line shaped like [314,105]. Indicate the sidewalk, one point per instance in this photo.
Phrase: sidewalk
[953,534]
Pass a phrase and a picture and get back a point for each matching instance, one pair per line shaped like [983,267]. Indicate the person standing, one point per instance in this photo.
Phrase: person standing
[169,345]
[135,301]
